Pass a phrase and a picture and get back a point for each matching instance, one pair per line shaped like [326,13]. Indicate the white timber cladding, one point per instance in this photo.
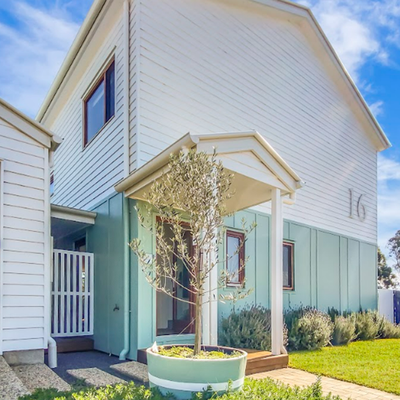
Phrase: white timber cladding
[23,245]
[83,176]
[218,66]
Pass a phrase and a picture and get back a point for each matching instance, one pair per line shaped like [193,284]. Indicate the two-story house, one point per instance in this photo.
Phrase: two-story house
[259,80]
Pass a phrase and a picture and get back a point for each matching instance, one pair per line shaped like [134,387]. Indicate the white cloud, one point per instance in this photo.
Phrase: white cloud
[388,199]
[32,49]
[388,169]
[377,108]
[361,32]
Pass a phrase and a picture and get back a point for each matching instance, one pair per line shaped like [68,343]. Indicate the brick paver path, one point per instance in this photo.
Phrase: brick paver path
[345,390]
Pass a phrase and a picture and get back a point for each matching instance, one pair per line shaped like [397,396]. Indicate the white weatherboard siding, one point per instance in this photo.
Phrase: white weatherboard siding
[23,298]
[83,176]
[217,66]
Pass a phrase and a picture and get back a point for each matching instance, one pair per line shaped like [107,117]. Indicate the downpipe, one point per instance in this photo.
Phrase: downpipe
[125,350]
[52,353]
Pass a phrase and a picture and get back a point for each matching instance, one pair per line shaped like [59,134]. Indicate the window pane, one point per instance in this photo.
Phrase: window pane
[233,260]
[95,112]
[287,266]
[110,92]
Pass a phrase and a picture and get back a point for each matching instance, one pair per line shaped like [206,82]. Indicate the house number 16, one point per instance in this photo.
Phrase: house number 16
[358,208]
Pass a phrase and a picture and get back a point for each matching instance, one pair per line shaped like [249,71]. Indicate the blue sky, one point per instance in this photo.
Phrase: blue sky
[36,34]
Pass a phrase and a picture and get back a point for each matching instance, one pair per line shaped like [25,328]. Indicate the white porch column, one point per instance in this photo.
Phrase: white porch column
[210,306]
[276,273]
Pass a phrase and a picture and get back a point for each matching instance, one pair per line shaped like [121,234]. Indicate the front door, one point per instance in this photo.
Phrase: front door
[175,315]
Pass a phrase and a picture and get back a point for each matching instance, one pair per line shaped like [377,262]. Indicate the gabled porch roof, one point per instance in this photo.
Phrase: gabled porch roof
[256,166]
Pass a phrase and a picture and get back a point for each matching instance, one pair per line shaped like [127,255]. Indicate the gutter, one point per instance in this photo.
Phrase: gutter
[73,52]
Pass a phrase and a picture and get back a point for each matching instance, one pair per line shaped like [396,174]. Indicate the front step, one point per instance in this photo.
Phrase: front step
[11,387]
[37,376]
[95,377]
[74,344]
[263,361]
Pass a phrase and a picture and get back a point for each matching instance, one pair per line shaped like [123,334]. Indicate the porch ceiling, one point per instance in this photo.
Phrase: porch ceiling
[66,221]
[256,166]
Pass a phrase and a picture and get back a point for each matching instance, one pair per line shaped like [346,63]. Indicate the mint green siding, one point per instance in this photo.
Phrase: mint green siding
[105,240]
[330,270]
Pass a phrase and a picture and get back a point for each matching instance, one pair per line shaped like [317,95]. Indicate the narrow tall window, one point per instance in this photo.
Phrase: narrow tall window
[99,105]
[235,257]
[288,261]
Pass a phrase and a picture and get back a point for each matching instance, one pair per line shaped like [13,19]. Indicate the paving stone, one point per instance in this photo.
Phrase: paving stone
[345,390]
[11,387]
[36,376]
[133,370]
[95,377]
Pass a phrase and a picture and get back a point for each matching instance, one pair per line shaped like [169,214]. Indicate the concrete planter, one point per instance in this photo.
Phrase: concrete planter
[182,377]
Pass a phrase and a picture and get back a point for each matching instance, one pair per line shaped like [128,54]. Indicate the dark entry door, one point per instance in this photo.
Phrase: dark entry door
[175,314]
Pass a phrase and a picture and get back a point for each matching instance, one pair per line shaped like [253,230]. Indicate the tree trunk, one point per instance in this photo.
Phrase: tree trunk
[198,323]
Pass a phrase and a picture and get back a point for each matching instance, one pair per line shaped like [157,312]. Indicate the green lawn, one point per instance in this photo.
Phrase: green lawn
[375,364]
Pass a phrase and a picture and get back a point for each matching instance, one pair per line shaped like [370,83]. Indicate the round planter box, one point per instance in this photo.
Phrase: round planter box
[183,376]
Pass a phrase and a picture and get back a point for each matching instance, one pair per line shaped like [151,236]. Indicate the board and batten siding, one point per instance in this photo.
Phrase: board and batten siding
[83,176]
[217,66]
[25,267]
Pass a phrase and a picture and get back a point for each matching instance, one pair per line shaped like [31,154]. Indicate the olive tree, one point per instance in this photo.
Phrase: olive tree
[194,189]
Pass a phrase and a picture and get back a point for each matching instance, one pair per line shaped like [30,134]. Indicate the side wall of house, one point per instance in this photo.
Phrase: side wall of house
[23,270]
[218,66]
[85,175]
[330,270]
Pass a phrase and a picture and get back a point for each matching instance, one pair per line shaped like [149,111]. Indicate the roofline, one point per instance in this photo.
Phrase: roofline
[98,5]
[385,143]
[188,141]
[77,44]
[55,140]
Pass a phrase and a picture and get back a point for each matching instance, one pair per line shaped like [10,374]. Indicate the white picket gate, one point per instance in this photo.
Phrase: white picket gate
[72,293]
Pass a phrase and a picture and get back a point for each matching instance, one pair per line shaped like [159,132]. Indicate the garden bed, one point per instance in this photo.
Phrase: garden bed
[252,390]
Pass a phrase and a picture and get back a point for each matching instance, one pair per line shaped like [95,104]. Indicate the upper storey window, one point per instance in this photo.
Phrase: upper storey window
[99,104]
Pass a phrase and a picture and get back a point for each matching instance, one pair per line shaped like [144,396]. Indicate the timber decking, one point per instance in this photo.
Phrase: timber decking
[262,361]
[257,361]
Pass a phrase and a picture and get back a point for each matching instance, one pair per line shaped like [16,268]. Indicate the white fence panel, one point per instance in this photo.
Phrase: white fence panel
[72,293]
[386,303]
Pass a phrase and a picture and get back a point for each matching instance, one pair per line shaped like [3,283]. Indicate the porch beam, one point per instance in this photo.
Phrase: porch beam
[277,273]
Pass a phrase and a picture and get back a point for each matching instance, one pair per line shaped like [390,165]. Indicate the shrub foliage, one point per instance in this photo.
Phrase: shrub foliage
[249,328]
[252,390]
[309,329]
[344,330]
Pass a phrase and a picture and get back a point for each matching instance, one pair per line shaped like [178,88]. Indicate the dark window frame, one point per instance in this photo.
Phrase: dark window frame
[101,79]
[241,254]
[291,265]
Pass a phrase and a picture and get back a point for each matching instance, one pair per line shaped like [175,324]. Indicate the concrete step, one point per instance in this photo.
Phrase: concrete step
[37,376]
[11,387]
[95,377]
[132,370]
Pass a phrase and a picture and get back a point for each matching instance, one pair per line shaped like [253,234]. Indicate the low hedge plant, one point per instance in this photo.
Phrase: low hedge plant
[252,390]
